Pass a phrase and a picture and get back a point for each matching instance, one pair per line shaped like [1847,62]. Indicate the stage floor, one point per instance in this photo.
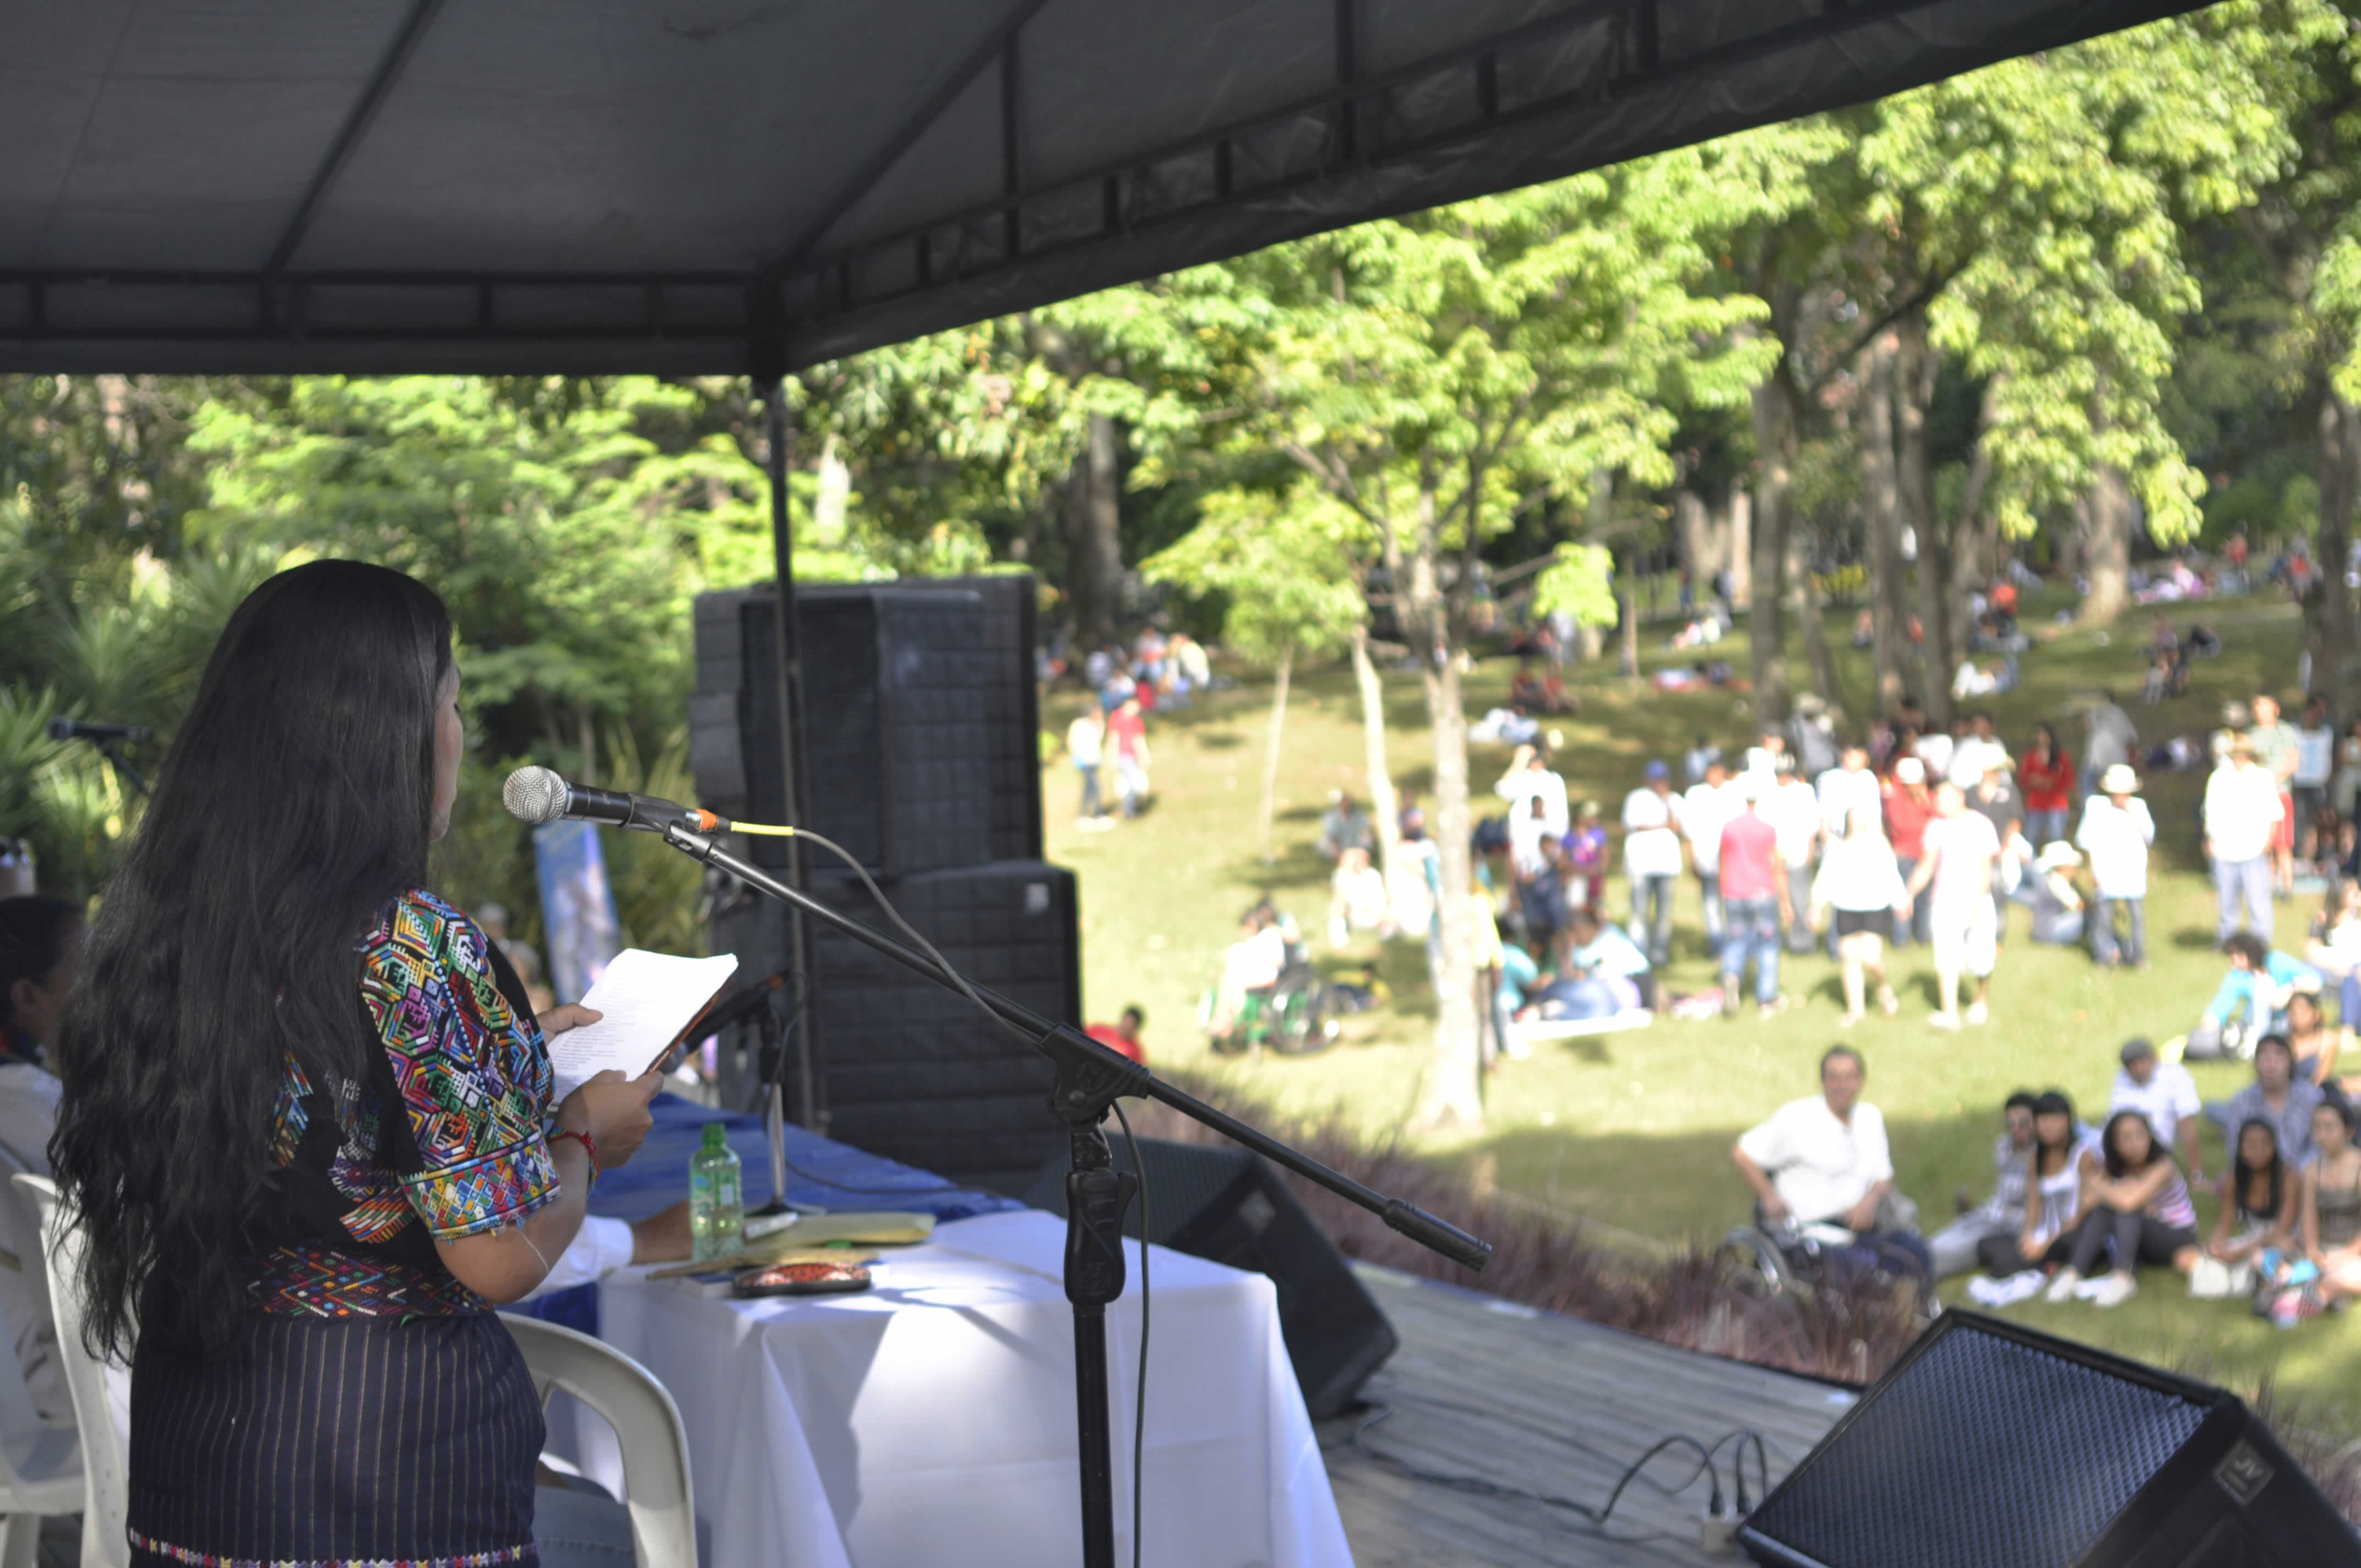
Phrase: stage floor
[1570,1405]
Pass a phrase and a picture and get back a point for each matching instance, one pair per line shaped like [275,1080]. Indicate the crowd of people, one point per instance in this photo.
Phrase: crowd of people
[2076,1210]
[1107,741]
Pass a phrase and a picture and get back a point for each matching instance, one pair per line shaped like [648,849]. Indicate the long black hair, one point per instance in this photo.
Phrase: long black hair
[296,800]
[2053,1102]
[2242,1175]
[2119,1167]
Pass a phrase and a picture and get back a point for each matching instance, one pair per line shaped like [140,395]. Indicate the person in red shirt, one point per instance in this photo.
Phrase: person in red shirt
[1908,808]
[1127,731]
[1123,1037]
[2046,779]
[1754,900]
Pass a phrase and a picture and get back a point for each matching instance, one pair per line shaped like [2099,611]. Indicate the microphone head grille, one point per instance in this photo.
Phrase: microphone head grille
[535,795]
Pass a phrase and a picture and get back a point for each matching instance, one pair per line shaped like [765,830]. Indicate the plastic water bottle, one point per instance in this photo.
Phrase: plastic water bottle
[716,1210]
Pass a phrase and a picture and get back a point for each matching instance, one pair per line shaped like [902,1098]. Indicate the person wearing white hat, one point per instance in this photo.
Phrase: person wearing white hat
[2058,912]
[2115,833]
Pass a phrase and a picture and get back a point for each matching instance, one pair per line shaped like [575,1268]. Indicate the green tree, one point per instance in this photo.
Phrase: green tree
[1288,565]
[1424,373]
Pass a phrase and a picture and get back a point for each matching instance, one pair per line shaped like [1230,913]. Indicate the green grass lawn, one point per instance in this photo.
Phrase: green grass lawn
[1633,1130]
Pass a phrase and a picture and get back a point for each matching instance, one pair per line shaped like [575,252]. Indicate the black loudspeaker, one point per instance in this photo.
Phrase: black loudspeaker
[1220,1202]
[906,1069]
[1991,1447]
[921,718]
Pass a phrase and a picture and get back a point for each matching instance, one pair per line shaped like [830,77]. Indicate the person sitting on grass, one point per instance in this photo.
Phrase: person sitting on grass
[2258,1198]
[2064,1152]
[2278,1096]
[2331,1221]
[1343,826]
[2316,1047]
[1357,900]
[1123,1037]
[1824,1159]
[2252,997]
[1856,891]
[1953,1247]
[1598,972]
[2137,1204]
[2164,1093]
[2335,949]
[2057,903]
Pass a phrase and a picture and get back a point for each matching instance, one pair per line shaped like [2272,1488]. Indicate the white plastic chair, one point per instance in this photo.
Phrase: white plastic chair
[647,1427]
[104,1492]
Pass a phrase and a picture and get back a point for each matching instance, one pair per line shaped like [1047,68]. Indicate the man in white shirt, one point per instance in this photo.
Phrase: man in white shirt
[2167,1096]
[1793,809]
[1955,875]
[1529,778]
[1824,1160]
[2242,812]
[2315,764]
[1706,811]
[1652,859]
[1847,787]
[2115,833]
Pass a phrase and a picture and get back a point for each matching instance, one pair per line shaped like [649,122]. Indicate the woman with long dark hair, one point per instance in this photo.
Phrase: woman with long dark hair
[2053,1196]
[2136,1203]
[306,1128]
[2258,1197]
[2045,778]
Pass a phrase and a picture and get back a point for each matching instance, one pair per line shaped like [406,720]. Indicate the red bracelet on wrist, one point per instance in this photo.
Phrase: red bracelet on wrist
[589,1146]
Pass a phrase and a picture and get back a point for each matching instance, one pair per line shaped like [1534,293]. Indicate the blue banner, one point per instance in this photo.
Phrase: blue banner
[578,907]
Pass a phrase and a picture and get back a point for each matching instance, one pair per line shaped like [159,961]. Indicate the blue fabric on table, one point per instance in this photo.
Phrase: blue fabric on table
[657,1178]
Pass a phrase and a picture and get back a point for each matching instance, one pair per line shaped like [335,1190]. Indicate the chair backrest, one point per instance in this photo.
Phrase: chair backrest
[647,1426]
[105,1465]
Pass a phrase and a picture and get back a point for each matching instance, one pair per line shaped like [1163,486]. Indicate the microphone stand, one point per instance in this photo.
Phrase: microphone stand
[1089,1079]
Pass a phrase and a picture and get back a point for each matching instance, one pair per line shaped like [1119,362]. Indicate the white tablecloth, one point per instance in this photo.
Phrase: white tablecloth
[930,1420]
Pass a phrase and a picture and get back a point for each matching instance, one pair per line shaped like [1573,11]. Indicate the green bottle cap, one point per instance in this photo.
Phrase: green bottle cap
[715,1140]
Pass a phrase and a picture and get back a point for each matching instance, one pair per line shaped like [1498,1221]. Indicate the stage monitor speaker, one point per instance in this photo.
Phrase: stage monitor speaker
[903,1067]
[922,719]
[1989,1445]
[1221,1203]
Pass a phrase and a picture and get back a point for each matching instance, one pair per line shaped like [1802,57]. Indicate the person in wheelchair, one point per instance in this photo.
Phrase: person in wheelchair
[1820,1169]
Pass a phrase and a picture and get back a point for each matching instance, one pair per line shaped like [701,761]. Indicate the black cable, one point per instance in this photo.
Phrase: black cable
[1497,1418]
[1596,1518]
[1140,1407]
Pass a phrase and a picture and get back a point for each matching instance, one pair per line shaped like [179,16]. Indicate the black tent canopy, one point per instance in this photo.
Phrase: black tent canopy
[736,186]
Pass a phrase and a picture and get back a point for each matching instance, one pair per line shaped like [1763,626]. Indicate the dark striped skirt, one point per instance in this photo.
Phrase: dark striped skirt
[377,1440]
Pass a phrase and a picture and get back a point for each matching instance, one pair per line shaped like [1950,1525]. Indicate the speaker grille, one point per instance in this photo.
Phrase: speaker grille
[1987,1453]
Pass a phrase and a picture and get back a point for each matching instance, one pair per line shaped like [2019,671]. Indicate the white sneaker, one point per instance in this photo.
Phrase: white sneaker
[1978,1012]
[1946,1022]
[2114,1290]
[2061,1286]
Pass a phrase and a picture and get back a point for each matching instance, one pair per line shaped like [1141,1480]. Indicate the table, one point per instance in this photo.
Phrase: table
[930,1420]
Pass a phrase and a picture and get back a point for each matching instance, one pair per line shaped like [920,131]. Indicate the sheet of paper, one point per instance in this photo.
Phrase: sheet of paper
[647,999]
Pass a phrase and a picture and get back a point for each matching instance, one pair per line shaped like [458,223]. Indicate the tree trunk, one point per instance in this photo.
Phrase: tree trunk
[1451,1096]
[1774,443]
[1881,496]
[1093,543]
[1915,367]
[834,495]
[1738,546]
[1385,807]
[2338,665]
[1271,746]
[1630,660]
[2107,551]
[1809,615]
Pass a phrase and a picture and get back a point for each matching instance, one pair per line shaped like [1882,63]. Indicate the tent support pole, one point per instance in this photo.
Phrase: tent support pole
[787,656]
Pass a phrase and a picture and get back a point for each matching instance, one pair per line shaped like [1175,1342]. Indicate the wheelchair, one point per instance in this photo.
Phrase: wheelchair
[1767,1260]
[1289,1017]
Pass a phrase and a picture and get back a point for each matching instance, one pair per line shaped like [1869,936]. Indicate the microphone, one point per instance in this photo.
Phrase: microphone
[539,795]
[90,729]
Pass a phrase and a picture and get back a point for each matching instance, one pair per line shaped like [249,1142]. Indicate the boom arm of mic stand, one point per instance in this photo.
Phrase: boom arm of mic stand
[1090,1077]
